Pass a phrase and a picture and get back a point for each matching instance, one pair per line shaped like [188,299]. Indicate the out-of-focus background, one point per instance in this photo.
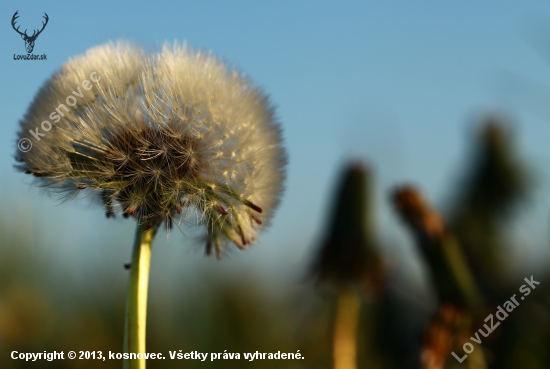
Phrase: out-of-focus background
[405,87]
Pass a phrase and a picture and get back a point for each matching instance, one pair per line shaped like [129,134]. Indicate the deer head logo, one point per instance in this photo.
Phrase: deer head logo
[29,40]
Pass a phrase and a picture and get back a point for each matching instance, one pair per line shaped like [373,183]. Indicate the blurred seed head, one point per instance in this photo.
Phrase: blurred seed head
[348,252]
[497,180]
[169,137]
[495,184]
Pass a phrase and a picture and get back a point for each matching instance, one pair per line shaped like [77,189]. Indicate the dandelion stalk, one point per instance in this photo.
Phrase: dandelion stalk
[345,330]
[136,304]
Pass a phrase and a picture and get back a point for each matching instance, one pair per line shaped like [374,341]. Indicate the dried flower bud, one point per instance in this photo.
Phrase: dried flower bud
[450,272]
[417,213]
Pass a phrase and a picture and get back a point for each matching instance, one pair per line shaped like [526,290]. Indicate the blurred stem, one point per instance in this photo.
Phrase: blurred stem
[136,303]
[345,330]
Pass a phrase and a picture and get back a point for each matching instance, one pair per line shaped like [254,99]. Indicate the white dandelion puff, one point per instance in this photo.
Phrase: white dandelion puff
[161,138]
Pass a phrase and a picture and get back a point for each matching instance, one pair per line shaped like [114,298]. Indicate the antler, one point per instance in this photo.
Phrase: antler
[15,16]
[34,35]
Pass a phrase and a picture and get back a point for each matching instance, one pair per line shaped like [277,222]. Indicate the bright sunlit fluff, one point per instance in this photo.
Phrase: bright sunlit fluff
[175,136]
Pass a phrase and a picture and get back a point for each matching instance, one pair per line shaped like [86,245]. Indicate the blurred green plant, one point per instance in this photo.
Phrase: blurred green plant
[495,183]
[348,260]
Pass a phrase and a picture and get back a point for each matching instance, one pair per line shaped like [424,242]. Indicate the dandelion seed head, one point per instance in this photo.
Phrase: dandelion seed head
[176,135]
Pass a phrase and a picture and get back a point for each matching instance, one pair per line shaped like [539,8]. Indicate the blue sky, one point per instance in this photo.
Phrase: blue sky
[396,83]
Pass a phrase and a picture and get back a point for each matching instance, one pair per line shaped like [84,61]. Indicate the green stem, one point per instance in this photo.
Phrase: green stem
[345,330]
[136,304]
